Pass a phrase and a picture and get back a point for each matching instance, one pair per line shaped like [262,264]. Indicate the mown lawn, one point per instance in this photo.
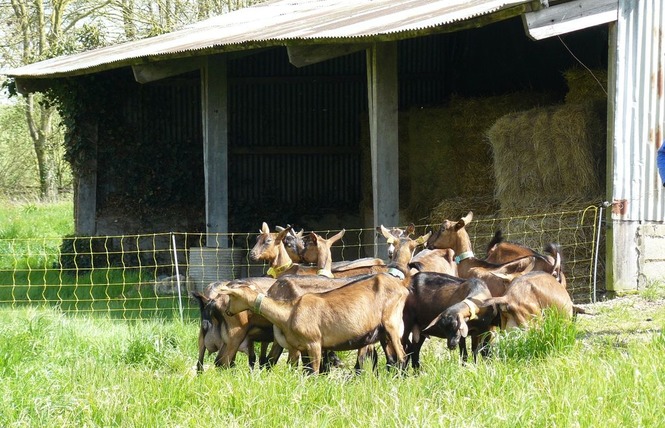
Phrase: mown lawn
[58,370]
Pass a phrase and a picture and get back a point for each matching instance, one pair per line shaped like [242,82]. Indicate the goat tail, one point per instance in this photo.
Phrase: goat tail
[554,250]
[496,240]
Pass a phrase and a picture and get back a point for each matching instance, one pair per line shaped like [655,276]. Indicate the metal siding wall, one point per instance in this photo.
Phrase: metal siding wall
[639,109]
[274,104]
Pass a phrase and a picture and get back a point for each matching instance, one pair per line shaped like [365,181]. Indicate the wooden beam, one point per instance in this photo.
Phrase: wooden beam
[382,90]
[303,55]
[568,17]
[145,73]
[214,96]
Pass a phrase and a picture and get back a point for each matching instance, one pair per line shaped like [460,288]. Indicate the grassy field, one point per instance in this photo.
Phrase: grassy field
[62,370]
[58,371]
[30,238]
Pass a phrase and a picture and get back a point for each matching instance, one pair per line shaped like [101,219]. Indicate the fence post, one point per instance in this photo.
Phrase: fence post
[596,250]
[177,274]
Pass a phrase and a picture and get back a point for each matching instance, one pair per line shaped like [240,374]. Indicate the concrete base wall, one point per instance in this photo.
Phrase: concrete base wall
[637,255]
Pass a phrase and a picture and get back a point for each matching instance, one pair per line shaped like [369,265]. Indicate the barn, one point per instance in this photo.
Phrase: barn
[323,111]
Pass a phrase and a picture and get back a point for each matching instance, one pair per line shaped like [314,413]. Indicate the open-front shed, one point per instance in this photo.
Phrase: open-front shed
[276,108]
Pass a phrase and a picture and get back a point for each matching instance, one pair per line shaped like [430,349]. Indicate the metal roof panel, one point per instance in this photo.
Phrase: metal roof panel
[273,23]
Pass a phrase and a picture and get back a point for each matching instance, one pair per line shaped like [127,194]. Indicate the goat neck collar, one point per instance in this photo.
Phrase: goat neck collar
[325,272]
[473,308]
[257,303]
[463,256]
[277,271]
[396,273]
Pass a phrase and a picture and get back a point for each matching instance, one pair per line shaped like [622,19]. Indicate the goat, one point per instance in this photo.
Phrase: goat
[301,249]
[454,235]
[226,335]
[350,317]
[430,295]
[500,251]
[437,260]
[366,310]
[528,296]
[270,247]
[292,286]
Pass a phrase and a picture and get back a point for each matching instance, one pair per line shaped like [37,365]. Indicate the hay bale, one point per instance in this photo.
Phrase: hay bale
[586,86]
[547,156]
[448,155]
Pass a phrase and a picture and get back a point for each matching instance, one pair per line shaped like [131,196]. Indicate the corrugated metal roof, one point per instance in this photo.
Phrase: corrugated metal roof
[275,23]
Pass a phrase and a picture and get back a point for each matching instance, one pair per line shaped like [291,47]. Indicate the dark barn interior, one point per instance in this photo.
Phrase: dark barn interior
[295,143]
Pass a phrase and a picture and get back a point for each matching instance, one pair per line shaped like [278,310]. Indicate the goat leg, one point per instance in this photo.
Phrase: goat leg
[202,352]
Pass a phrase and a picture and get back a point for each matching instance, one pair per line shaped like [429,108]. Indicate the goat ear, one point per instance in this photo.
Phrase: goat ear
[337,236]
[279,228]
[282,234]
[410,229]
[265,228]
[467,218]
[423,238]
[463,328]
[386,234]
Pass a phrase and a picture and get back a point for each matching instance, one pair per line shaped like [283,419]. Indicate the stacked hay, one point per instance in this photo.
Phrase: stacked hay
[547,157]
[447,156]
[552,160]
[586,86]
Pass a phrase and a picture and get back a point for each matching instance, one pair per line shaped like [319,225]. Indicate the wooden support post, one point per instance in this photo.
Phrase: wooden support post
[214,96]
[383,104]
[85,187]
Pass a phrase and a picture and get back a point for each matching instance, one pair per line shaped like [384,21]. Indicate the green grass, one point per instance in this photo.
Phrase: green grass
[30,239]
[61,366]
[36,220]
[58,370]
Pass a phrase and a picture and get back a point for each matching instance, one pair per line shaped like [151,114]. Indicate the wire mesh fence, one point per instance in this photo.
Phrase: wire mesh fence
[136,277]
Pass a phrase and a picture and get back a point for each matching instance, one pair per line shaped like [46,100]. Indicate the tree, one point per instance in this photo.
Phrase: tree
[42,29]
[39,30]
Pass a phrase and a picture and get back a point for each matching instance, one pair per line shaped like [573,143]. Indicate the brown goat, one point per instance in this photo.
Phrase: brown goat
[228,335]
[454,235]
[500,251]
[437,260]
[354,316]
[448,307]
[270,247]
[528,296]
[290,287]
